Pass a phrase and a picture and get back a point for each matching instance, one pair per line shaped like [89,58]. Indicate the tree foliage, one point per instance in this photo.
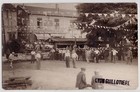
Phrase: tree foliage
[108,35]
[126,8]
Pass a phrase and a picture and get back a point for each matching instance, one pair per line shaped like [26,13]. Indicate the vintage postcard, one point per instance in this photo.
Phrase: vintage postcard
[69,46]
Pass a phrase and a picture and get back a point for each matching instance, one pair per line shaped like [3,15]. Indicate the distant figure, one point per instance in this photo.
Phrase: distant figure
[74,58]
[97,55]
[81,79]
[114,52]
[110,55]
[7,53]
[11,59]
[94,84]
[106,54]
[38,62]
[60,54]
[67,58]
[129,56]
[78,51]
[87,54]
[93,55]
[63,53]
[33,56]
[52,54]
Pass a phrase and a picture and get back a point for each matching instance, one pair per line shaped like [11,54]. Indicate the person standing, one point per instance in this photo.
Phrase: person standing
[119,54]
[97,55]
[94,84]
[11,59]
[114,52]
[32,56]
[67,58]
[93,55]
[129,56]
[123,54]
[87,54]
[38,58]
[81,79]
[60,54]
[63,53]
[56,54]
[74,58]
[52,54]
[106,54]
[78,51]
[110,55]
[7,53]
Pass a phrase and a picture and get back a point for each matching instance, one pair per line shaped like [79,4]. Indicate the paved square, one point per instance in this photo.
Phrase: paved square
[54,74]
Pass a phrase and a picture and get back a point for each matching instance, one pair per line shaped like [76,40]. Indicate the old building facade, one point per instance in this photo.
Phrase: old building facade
[9,22]
[52,22]
[35,23]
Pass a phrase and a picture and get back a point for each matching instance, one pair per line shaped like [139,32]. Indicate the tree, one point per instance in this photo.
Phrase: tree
[108,35]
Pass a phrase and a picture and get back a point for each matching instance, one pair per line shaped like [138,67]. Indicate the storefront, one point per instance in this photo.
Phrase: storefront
[64,42]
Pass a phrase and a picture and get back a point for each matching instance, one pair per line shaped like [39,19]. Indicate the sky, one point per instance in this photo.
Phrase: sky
[69,6]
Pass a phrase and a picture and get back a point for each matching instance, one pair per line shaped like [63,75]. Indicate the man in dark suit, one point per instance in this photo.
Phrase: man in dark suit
[81,79]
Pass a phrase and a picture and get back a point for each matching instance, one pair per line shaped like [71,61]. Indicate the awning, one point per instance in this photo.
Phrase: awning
[43,36]
[69,39]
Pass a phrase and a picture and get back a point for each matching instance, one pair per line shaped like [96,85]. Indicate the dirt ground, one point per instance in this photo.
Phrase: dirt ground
[55,76]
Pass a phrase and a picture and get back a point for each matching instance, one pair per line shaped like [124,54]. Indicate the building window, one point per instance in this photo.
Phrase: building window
[56,23]
[39,22]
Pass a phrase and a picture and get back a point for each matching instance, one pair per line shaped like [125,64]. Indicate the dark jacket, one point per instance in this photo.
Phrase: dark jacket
[81,80]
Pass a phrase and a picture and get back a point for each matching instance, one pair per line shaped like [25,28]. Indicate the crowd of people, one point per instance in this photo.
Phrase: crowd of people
[96,55]
[88,54]
[72,54]
[76,53]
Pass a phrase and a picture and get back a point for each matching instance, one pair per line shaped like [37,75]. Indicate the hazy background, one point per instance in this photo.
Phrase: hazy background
[70,6]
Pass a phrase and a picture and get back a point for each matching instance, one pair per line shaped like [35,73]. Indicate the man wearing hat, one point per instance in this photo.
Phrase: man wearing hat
[81,79]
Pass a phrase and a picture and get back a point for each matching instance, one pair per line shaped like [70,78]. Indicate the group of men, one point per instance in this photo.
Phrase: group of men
[108,54]
[91,54]
[95,55]
[81,80]
[70,56]
[35,57]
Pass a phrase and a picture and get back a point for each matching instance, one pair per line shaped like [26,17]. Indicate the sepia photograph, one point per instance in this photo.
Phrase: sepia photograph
[69,46]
